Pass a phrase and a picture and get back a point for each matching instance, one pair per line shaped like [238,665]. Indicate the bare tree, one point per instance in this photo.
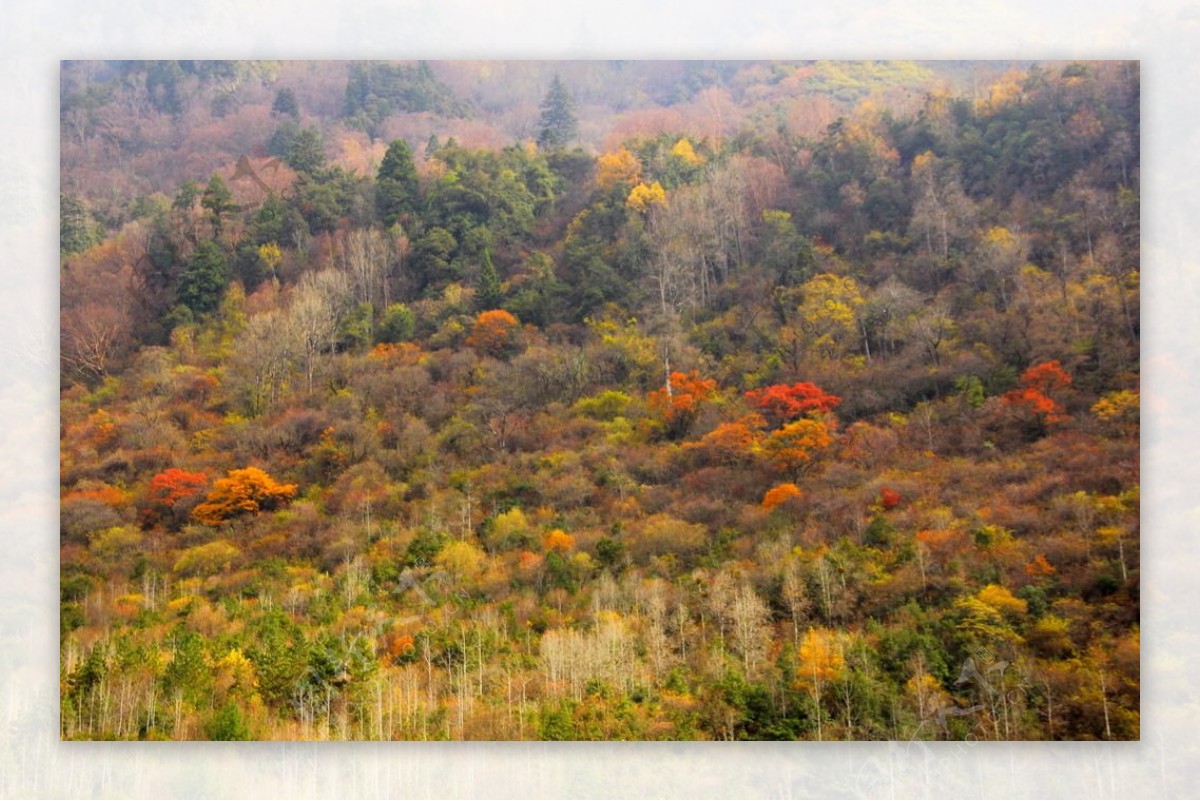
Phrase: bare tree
[317,309]
[364,257]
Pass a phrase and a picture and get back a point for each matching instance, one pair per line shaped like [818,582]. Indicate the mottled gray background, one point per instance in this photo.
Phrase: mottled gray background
[35,36]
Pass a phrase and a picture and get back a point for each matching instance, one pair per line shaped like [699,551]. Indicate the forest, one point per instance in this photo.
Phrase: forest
[599,400]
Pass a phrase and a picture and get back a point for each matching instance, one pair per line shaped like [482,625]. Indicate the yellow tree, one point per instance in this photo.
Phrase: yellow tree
[830,313]
[684,151]
[927,695]
[461,559]
[1119,411]
[1003,601]
[642,197]
[508,530]
[621,167]
[271,255]
[821,661]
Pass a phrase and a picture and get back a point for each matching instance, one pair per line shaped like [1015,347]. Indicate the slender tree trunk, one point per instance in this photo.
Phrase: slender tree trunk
[1104,698]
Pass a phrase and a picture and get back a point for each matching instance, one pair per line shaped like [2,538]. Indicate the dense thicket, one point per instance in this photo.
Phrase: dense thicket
[804,406]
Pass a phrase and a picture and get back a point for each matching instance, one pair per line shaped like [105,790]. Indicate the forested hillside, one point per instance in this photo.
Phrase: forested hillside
[599,400]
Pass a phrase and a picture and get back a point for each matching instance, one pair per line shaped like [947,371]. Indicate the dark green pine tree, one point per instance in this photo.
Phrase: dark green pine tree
[286,105]
[307,152]
[204,279]
[559,125]
[76,231]
[281,141]
[279,654]
[358,89]
[218,201]
[396,186]
[489,292]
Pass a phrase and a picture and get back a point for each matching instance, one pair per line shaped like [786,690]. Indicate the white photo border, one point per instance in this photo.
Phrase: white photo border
[35,37]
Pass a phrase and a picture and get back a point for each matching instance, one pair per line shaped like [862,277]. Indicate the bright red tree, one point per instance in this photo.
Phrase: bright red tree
[889,498]
[1035,395]
[173,485]
[785,403]
[1047,378]
[169,492]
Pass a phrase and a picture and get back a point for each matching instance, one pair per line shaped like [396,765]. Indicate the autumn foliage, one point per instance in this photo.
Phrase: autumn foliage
[170,489]
[1119,409]
[174,485]
[242,492]
[618,167]
[1039,566]
[644,196]
[733,442]
[558,540]
[106,494]
[781,493]
[494,332]
[783,403]
[687,392]
[1036,395]
[724,434]
[794,448]
[401,647]
[821,657]
[889,498]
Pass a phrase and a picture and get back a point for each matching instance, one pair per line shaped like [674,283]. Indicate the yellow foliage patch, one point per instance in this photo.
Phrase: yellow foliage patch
[642,197]
[1000,599]
[684,151]
[821,656]
[615,168]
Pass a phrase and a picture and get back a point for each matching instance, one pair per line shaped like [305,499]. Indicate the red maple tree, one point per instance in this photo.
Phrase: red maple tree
[785,403]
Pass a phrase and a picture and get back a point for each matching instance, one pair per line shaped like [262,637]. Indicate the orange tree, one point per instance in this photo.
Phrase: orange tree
[780,494]
[494,333]
[242,492]
[731,443]
[679,401]
[793,448]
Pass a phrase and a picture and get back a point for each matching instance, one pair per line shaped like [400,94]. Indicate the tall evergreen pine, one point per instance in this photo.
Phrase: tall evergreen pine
[559,126]
[397,185]
[489,292]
